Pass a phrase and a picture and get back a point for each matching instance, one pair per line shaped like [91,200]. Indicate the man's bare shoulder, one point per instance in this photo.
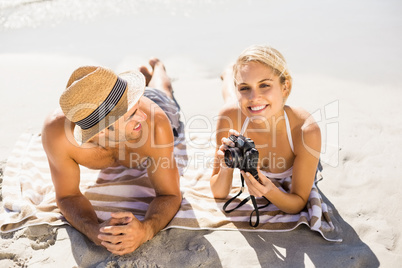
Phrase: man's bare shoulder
[157,118]
[54,125]
[55,133]
[160,135]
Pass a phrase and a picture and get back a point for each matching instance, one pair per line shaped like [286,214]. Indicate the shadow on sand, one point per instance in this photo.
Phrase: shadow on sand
[303,247]
[169,248]
[188,248]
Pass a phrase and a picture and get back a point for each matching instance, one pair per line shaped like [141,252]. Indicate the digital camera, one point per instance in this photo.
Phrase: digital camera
[243,155]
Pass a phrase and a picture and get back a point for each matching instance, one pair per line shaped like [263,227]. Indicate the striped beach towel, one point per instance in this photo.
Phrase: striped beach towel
[29,197]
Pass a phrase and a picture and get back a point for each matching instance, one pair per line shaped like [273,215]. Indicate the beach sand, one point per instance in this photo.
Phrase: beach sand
[345,59]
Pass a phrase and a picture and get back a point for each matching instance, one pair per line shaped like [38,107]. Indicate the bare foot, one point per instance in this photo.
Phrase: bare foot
[144,70]
[154,61]
[160,80]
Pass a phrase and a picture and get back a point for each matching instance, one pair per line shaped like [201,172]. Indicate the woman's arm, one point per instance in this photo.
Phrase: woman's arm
[307,141]
[222,176]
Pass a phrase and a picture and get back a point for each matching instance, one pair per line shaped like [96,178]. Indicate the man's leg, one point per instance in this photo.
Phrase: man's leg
[159,90]
[160,80]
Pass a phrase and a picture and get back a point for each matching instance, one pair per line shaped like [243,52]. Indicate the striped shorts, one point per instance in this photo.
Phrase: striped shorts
[172,110]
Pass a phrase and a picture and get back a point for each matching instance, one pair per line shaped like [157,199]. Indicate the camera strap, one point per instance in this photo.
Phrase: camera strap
[245,200]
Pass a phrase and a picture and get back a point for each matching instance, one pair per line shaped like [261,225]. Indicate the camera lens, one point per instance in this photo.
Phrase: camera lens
[233,157]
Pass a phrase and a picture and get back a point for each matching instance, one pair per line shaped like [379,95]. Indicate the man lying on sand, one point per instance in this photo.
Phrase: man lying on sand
[110,120]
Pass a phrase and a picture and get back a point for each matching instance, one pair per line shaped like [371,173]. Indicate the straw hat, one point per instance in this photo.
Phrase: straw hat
[95,98]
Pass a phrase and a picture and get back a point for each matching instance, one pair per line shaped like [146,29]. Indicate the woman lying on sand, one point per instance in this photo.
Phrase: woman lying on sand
[287,138]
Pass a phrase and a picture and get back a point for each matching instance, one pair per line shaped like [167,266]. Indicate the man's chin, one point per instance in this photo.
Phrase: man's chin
[134,136]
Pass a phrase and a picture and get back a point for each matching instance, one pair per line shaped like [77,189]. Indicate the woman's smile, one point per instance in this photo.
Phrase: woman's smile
[257,108]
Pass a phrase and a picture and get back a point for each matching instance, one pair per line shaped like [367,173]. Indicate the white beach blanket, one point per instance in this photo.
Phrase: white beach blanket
[29,197]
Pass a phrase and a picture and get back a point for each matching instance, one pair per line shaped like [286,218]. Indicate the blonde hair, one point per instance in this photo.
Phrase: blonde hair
[267,56]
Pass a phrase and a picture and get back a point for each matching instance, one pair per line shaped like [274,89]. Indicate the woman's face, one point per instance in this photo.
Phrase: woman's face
[259,91]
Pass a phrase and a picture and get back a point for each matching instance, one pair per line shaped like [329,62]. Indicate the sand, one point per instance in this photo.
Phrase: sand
[345,58]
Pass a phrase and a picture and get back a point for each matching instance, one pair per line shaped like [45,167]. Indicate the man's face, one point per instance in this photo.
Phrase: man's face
[129,126]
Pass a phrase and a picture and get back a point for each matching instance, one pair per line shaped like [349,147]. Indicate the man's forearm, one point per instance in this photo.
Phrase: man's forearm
[80,214]
[160,212]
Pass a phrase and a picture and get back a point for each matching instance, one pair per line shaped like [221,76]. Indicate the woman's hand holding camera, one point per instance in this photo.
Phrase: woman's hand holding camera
[226,144]
[256,188]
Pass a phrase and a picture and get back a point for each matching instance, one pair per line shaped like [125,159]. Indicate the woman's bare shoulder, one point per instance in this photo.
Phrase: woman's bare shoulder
[230,109]
[229,115]
[302,122]
[304,126]
[300,117]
